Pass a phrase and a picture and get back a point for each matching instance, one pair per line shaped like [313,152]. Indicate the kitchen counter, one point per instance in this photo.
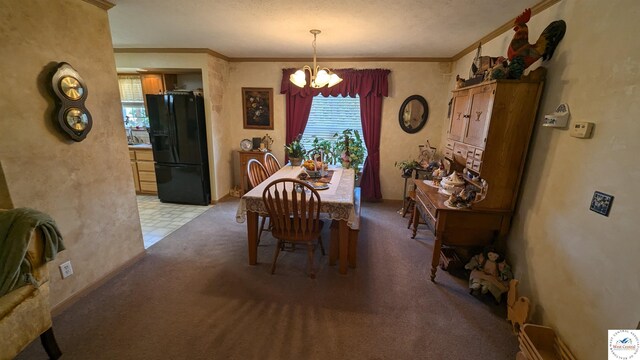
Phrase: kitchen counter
[140,147]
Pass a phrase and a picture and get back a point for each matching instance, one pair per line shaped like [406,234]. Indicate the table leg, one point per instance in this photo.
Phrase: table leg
[344,246]
[252,236]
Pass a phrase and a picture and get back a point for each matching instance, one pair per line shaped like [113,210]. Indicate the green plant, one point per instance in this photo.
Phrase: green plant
[349,147]
[406,165]
[295,149]
[325,147]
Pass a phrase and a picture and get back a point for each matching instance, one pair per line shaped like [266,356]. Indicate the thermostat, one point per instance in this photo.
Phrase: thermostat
[581,130]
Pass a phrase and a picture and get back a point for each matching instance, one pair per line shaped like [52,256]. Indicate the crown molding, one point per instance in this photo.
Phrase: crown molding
[102,4]
[172,51]
[345,59]
[274,59]
[536,9]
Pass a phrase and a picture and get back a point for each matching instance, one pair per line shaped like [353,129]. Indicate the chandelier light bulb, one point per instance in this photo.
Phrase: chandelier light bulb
[317,77]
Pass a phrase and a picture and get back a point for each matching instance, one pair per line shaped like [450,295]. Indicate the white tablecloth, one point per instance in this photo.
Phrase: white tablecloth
[337,201]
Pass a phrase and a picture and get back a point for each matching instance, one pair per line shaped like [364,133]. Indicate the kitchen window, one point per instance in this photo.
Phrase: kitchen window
[134,112]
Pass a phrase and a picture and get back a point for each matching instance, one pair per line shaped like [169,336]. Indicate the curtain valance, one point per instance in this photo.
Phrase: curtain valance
[354,82]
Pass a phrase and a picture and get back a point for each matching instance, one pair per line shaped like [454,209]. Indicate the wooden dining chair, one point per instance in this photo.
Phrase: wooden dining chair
[294,209]
[257,174]
[271,163]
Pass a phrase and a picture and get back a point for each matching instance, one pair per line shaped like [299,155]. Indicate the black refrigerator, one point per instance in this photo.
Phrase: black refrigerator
[179,140]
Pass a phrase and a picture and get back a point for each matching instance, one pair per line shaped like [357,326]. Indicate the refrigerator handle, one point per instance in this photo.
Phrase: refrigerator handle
[172,127]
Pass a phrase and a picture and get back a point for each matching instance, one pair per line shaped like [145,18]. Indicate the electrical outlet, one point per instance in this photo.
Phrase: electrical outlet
[65,269]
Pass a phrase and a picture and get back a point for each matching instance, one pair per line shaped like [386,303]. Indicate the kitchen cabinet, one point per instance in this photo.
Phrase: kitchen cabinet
[134,170]
[152,84]
[143,168]
[158,83]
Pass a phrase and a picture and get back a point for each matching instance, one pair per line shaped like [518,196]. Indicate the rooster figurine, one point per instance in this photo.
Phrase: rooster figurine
[522,54]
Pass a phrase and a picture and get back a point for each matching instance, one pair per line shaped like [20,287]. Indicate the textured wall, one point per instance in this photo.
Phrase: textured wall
[86,187]
[580,268]
[406,79]
[217,74]
[214,74]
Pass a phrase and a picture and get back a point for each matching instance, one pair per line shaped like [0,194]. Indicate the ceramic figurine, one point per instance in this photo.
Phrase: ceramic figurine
[521,54]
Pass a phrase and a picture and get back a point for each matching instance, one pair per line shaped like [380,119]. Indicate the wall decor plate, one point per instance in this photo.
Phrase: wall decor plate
[246,144]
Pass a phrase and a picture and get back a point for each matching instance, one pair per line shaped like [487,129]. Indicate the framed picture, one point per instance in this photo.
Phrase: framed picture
[601,203]
[257,108]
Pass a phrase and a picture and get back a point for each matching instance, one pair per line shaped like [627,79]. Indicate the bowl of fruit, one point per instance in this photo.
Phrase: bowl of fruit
[312,168]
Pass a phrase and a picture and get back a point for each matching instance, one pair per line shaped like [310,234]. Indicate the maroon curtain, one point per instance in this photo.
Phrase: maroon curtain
[298,109]
[371,86]
[370,115]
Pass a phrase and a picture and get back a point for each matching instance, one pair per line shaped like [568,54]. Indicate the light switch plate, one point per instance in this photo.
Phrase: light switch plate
[581,130]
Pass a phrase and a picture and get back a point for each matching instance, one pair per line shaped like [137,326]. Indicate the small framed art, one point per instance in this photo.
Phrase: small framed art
[257,108]
[601,203]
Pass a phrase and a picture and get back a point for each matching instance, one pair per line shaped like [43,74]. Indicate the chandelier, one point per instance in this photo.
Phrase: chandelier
[318,77]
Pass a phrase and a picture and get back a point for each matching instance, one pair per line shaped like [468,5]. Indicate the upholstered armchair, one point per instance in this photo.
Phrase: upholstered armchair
[25,312]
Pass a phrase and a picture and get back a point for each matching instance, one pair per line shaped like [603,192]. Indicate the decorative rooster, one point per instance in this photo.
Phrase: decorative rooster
[522,54]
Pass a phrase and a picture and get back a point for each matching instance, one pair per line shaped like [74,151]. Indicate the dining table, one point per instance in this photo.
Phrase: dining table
[337,203]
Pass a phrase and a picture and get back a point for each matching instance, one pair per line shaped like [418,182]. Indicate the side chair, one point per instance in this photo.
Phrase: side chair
[271,163]
[294,209]
[257,173]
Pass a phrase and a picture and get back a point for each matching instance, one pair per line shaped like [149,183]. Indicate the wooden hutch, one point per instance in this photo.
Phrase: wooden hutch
[490,127]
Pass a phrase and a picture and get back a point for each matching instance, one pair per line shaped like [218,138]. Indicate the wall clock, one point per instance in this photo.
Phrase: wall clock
[71,92]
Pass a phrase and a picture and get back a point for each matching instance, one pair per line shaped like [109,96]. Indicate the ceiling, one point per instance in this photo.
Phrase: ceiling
[280,28]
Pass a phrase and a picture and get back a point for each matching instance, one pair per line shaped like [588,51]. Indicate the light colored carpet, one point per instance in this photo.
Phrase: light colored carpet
[194,296]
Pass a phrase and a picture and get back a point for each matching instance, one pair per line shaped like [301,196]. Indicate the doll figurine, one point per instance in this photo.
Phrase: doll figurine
[489,273]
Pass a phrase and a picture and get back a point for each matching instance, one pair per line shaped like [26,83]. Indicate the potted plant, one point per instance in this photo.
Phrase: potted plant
[295,151]
[324,147]
[407,167]
[349,148]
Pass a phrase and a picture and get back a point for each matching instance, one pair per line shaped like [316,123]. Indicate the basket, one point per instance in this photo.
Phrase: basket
[541,343]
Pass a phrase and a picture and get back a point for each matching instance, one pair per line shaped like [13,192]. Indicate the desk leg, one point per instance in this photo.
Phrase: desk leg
[437,245]
[344,246]
[415,220]
[252,236]
[435,259]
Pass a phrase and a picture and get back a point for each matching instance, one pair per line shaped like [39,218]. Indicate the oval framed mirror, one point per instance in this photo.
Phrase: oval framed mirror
[414,113]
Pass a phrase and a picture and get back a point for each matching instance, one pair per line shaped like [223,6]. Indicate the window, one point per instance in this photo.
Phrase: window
[330,115]
[134,113]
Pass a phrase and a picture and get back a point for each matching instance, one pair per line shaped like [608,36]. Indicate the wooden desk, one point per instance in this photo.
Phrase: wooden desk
[337,203]
[456,227]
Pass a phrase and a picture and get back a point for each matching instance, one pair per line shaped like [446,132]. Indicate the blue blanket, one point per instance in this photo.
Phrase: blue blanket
[16,227]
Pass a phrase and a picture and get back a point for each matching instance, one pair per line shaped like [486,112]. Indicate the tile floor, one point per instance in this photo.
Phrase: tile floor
[160,219]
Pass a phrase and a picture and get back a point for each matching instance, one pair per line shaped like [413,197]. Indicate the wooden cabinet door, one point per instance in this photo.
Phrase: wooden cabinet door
[459,116]
[136,180]
[479,116]
[152,84]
